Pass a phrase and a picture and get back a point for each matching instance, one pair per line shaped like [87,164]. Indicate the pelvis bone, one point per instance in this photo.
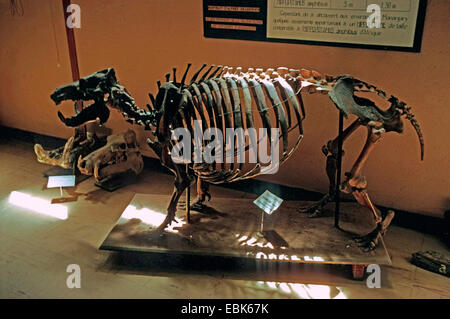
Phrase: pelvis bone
[120,154]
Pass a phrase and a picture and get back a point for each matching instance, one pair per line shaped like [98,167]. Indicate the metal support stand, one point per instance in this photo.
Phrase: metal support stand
[60,182]
[338,172]
[262,222]
[337,186]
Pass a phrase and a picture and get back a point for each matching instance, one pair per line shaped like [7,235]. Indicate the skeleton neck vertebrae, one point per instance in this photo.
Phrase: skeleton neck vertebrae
[226,98]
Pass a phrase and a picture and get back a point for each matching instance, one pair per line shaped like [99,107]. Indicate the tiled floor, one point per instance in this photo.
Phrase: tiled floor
[36,249]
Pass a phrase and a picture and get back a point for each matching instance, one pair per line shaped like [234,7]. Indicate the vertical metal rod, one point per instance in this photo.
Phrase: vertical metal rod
[60,190]
[188,198]
[338,172]
[262,221]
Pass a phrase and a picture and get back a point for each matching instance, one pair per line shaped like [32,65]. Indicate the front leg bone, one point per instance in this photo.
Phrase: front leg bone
[331,151]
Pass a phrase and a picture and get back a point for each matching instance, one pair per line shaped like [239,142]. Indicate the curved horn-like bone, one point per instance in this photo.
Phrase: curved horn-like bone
[416,126]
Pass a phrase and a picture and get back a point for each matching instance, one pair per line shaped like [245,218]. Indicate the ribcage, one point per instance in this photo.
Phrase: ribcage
[231,99]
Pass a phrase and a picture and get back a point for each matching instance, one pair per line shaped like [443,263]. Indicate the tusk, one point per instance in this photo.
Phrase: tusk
[96,175]
[81,169]
[61,117]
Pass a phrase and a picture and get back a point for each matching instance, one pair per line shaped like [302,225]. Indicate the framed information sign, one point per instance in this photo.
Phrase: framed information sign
[373,24]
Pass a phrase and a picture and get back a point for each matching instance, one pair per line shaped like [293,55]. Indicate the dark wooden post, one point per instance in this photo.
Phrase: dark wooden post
[71,44]
[73,57]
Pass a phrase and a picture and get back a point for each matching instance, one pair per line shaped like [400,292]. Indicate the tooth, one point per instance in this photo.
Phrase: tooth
[96,171]
[83,170]
[79,162]
[61,117]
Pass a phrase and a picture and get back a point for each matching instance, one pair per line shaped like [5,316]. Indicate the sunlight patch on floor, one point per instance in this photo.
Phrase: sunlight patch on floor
[305,291]
[38,205]
[151,217]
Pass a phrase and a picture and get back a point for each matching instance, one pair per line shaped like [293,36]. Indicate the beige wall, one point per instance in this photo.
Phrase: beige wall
[142,40]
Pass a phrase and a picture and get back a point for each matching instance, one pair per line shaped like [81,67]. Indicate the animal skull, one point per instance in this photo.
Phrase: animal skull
[120,154]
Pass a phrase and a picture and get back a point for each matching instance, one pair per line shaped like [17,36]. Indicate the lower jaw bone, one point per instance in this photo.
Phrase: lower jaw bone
[134,164]
[60,157]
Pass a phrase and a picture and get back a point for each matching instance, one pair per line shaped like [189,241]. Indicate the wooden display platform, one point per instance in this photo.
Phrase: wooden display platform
[231,227]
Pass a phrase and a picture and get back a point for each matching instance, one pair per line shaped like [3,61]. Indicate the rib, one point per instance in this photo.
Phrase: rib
[279,111]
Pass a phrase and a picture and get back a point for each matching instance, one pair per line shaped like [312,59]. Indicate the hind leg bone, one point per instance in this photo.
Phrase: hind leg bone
[356,184]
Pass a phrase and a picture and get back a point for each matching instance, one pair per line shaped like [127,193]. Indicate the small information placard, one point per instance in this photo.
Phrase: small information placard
[268,202]
[61,181]
[373,24]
